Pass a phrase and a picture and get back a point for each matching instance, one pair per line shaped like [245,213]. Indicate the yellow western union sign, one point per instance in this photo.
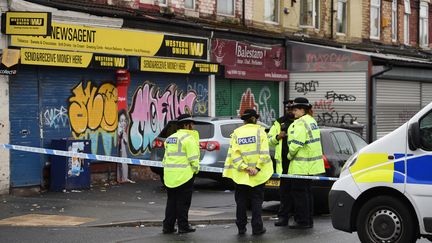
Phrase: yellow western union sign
[27,23]
[55,58]
[166,65]
[97,40]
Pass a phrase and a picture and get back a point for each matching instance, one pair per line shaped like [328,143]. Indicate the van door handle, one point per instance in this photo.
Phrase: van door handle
[390,157]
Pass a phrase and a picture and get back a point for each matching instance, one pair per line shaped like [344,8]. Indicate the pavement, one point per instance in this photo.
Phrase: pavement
[129,204]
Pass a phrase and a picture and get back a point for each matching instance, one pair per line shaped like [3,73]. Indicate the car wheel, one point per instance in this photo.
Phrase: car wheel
[386,219]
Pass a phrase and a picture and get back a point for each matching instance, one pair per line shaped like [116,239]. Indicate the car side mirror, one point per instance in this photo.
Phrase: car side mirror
[414,136]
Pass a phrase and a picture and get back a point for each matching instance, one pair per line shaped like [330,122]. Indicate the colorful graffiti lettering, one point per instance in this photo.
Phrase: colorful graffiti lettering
[201,103]
[247,102]
[267,113]
[56,118]
[151,111]
[93,112]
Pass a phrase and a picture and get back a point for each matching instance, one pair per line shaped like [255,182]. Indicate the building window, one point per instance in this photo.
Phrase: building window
[394,20]
[407,14]
[225,7]
[341,18]
[309,13]
[271,11]
[162,2]
[424,24]
[375,19]
[190,4]
[147,1]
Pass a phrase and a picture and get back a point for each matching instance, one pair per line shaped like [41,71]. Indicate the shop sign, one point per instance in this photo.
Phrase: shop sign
[249,61]
[9,61]
[26,23]
[115,41]
[164,65]
[71,59]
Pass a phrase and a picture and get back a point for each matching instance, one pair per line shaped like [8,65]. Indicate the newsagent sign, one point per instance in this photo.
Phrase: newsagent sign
[248,61]
[69,37]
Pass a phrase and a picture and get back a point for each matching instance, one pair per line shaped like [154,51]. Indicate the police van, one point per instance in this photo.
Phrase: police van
[384,191]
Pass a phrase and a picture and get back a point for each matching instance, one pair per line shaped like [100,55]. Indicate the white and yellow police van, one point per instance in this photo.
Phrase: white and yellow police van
[384,191]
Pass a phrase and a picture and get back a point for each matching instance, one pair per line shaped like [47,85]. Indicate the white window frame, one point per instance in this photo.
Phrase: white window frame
[226,14]
[276,10]
[375,4]
[344,20]
[314,15]
[424,22]
[394,18]
[147,1]
[193,5]
[163,2]
[407,13]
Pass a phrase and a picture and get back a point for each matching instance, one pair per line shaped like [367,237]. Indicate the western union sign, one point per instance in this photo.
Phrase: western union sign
[149,64]
[26,23]
[115,41]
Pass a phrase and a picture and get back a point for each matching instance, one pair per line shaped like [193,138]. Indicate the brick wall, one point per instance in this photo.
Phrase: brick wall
[413,26]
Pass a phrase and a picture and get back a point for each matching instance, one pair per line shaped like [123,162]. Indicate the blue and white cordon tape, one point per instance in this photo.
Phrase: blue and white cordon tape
[137,161]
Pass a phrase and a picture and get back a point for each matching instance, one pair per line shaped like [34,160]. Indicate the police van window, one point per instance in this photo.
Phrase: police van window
[227,129]
[426,132]
[359,143]
[342,143]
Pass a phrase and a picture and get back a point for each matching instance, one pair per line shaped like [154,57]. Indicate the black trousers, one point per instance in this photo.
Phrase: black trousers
[253,196]
[178,204]
[303,201]
[286,208]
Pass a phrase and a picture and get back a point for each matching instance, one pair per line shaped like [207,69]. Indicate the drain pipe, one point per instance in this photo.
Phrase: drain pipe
[244,13]
[371,136]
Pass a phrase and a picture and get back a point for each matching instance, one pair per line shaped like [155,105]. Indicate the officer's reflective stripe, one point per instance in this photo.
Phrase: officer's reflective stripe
[266,160]
[177,154]
[308,159]
[252,164]
[309,130]
[277,161]
[195,167]
[175,165]
[236,160]
[313,141]
[296,142]
[193,157]
[259,141]
[227,167]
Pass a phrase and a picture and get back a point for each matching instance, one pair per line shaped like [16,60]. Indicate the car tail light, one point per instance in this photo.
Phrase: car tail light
[157,143]
[326,163]
[210,145]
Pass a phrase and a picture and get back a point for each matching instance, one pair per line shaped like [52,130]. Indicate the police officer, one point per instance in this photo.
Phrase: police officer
[279,139]
[181,163]
[305,155]
[249,165]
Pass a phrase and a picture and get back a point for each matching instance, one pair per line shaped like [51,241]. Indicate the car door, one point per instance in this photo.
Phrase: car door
[343,149]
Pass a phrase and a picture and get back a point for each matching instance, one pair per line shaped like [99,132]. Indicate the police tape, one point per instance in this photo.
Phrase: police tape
[134,161]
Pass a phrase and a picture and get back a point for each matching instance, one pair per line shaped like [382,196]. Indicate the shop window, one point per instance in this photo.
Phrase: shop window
[407,14]
[375,19]
[225,7]
[424,24]
[271,11]
[309,13]
[190,4]
[394,20]
[341,18]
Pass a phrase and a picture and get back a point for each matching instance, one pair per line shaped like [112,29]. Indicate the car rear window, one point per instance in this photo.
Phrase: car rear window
[227,129]
[205,129]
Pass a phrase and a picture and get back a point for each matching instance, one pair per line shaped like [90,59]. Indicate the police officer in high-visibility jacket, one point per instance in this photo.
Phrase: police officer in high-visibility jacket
[249,165]
[305,155]
[180,164]
[279,139]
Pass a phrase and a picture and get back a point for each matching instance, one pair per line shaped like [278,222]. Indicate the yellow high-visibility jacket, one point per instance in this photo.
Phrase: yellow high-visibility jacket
[249,147]
[181,159]
[305,151]
[273,141]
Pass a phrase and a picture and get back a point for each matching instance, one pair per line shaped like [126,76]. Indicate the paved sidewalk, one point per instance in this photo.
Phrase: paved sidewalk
[142,203]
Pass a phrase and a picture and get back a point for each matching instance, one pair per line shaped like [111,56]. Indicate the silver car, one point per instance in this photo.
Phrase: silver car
[214,142]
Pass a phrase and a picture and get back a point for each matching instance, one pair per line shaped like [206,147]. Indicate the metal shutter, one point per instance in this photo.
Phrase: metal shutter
[339,98]
[396,103]
[426,94]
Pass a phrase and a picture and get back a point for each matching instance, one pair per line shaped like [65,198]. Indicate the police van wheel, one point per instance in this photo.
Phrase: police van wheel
[385,219]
